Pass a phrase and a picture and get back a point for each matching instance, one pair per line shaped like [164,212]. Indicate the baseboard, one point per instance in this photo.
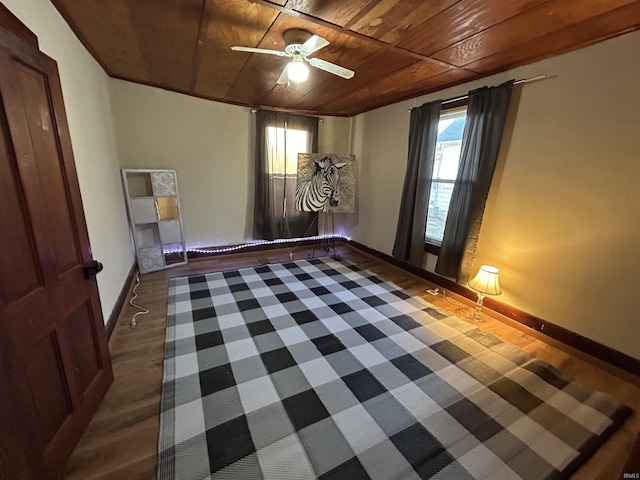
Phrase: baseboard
[575,340]
[633,464]
[119,305]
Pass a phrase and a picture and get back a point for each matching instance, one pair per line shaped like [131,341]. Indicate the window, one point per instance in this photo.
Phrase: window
[283,150]
[445,169]
[279,139]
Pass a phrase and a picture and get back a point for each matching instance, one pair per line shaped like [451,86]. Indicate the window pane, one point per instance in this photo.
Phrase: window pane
[438,209]
[445,169]
[296,142]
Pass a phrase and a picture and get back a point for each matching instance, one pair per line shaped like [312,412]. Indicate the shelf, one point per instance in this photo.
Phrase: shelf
[174,254]
[139,184]
[167,208]
[170,231]
[143,210]
[147,235]
[156,222]
[150,259]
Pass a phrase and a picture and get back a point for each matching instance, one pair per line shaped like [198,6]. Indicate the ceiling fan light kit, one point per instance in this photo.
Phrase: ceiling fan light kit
[297,71]
[300,44]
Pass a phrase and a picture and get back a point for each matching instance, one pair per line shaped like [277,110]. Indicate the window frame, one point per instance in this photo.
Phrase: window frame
[432,247]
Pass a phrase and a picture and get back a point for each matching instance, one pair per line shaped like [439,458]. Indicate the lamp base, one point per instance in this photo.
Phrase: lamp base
[477,316]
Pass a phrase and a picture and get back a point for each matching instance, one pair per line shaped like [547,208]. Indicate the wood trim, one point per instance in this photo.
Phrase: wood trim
[575,340]
[12,24]
[453,104]
[120,302]
[419,92]
[432,248]
[633,463]
[146,83]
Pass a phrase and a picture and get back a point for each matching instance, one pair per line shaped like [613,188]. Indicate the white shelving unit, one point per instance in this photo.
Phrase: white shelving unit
[153,204]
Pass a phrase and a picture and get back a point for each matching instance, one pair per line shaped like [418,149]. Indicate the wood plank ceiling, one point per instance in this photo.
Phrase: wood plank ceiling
[398,48]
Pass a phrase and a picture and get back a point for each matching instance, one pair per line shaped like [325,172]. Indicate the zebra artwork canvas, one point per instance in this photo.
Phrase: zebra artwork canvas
[325,183]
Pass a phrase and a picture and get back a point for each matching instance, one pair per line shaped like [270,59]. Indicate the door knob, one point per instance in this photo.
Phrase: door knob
[92,268]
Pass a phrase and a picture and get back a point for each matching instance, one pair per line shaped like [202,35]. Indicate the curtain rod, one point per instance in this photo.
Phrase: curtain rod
[254,110]
[517,82]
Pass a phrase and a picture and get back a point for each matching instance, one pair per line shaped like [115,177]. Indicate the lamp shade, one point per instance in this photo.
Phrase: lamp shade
[486,281]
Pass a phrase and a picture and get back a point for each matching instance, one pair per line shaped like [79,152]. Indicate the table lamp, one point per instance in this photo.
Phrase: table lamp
[484,283]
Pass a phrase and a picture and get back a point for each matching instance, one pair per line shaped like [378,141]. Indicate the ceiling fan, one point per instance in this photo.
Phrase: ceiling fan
[299,45]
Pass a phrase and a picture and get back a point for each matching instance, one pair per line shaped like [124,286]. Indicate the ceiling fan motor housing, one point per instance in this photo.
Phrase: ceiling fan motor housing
[295,36]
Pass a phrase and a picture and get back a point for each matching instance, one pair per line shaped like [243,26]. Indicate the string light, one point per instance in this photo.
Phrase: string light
[262,242]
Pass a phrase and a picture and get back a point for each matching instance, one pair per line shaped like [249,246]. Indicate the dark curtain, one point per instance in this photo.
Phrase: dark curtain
[275,215]
[486,116]
[412,219]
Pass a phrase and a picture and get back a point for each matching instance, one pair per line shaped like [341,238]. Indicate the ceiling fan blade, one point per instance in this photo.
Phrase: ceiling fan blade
[284,76]
[259,50]
[314,44]
[331,67]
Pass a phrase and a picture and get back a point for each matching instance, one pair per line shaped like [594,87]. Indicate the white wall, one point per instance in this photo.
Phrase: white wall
[380,146]
[333,133]
[86,96]
[210,145]
[562,219]
[207,143]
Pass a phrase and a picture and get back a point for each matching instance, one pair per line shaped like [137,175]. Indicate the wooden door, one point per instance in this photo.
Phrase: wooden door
[53,349]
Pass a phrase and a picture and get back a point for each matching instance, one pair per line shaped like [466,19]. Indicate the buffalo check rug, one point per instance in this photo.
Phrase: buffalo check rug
[320,369]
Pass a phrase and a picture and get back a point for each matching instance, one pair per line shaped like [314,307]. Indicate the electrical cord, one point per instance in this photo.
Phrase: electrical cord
[457,309]
[143,311]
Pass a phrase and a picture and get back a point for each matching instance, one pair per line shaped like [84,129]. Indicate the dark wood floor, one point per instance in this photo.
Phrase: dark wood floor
[121,441]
